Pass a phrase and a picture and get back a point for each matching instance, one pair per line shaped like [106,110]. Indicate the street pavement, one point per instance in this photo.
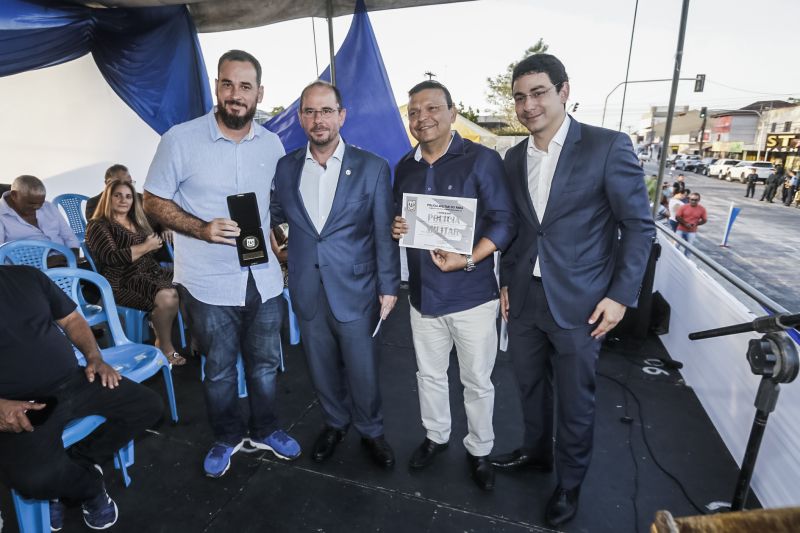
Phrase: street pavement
[764,244]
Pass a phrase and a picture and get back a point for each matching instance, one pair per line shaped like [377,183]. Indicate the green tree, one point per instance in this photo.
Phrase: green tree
[467,112]
[498,93]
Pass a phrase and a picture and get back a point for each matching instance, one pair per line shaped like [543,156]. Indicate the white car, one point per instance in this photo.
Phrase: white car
[684,160]
[745,168]
[722,166]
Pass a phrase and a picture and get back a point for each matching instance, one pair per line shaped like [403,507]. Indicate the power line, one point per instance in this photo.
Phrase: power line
[747,90]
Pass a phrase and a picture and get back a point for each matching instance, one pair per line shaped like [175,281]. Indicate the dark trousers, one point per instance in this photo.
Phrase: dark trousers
[343,362]
[552,363]
[751,190]
[223,332]
[769,192]
[36,464]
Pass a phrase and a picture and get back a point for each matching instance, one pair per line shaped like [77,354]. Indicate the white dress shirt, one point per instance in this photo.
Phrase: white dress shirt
[541,167]
[318,184]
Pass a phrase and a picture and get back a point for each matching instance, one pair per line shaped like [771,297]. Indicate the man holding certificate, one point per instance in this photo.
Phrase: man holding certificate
[344,268]
[457,212]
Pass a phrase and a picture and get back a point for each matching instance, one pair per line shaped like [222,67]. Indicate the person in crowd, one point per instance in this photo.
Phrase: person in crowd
[114,172]
[752,179]
[230,309]
[121,173]
[345,268]
[123,246]
[790,188]
[680,181]
[42,388]
[454,296]
[675,202]
[25,214]
[575,266]
[690,218]
[772,183]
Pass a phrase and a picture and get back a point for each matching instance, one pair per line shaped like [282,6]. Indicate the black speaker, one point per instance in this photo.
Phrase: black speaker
[636,322]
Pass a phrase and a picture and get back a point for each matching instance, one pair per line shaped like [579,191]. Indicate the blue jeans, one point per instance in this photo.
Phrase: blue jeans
[222,333]
[688,236]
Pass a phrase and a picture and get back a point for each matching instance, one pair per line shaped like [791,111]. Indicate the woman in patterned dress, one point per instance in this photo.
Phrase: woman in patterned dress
[122,244]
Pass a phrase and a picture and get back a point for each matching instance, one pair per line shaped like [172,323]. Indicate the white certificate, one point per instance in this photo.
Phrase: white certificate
[443,222]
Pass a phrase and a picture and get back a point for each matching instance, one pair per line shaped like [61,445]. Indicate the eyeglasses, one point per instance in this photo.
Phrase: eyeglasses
[536,96]
[132,182]
[326,112]
[414,114]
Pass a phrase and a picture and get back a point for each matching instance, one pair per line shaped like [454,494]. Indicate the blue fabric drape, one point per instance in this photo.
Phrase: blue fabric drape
[373,120]
[150,57]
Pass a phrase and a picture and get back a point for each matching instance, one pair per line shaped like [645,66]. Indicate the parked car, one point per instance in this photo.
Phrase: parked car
[702,166]
[683,162]
[745,168]
[721,167]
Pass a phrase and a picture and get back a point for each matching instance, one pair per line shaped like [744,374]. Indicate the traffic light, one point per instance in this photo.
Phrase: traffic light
[575,106]
[699,83]
[703,111]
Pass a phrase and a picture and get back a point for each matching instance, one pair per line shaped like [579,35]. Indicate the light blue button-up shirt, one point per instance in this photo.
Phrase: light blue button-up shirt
[197,167]
[52,226]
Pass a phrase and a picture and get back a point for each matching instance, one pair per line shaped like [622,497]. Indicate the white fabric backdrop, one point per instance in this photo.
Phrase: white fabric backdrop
[718,371]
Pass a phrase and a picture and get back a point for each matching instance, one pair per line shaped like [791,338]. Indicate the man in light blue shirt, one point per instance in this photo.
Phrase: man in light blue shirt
[24,214]
[197,165]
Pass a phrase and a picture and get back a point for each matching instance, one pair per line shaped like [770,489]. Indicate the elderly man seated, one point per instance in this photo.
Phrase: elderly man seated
[43,388]
[24,214]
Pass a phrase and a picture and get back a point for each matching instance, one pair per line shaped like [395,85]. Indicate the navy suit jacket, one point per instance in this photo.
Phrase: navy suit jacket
[597,231]
[354,256]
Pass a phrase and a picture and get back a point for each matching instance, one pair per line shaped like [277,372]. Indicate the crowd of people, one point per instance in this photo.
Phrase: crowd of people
[780,182]
[574,239]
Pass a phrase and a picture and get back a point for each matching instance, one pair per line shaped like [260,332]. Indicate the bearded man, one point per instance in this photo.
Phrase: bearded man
[230,308]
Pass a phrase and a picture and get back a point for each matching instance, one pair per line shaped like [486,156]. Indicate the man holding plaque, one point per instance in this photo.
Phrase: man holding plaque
[577,262]
[453,295]
[344,268]
[203,171]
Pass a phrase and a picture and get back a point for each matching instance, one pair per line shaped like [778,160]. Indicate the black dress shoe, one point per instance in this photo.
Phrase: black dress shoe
[519,459]
[326,443]
[380,451]
[424,454]
[482,471]
[562,506]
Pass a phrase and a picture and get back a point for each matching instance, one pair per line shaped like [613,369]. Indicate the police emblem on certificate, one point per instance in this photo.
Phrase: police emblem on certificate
[443,222]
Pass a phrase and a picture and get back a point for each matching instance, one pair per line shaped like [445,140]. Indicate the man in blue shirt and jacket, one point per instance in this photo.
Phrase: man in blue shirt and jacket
[454,297]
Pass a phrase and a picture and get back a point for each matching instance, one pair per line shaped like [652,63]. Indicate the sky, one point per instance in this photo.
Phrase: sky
[464,43]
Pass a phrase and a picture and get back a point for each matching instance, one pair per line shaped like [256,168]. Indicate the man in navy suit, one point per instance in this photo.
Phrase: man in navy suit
[576,264]
[344,267]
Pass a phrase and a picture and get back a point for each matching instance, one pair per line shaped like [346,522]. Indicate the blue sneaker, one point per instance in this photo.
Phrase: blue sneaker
[100,512]
[279,443]
[56,515]
[218,459]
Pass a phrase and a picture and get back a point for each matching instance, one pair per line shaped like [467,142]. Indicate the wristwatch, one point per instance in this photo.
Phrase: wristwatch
[470,263]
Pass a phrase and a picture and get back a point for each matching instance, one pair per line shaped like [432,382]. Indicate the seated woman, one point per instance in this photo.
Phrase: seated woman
[122,244]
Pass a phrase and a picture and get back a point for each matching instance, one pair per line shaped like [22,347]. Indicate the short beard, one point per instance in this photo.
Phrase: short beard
[235,122]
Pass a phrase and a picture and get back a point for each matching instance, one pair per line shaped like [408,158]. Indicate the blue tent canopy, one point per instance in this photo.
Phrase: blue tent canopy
[151,58]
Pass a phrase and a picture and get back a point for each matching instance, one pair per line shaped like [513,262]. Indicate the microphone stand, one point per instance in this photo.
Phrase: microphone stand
[773,357]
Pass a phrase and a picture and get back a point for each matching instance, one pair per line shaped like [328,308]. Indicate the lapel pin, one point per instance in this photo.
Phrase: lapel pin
[347,172]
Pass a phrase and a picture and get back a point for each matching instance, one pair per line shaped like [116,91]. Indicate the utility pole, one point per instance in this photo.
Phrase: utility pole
[673,94]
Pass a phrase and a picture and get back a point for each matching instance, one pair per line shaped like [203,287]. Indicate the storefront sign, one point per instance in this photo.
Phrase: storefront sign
[783,142]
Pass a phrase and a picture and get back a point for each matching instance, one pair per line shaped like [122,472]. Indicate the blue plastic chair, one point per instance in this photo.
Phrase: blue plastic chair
[34,253]
[33,516]
[135,361]
[72,205]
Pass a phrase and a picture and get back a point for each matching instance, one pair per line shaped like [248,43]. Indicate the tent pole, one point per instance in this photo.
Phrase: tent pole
[330,41]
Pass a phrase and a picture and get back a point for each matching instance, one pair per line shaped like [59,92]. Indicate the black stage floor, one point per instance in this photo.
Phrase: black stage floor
[623,490]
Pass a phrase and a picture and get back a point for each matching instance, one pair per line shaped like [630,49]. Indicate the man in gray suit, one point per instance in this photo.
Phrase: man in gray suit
[577,262]
[344,267]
